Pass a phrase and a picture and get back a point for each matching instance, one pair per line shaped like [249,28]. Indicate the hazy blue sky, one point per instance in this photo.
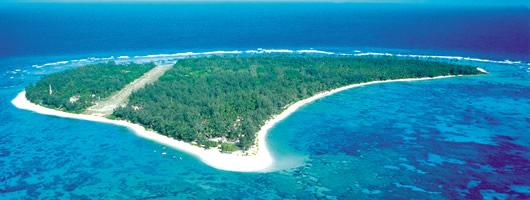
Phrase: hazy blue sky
[438,2]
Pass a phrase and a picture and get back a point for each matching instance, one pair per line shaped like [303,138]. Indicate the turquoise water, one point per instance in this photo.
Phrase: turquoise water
[463,137]
[455,138]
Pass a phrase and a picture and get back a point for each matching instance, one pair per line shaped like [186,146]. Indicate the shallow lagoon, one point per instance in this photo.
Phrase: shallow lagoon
[462,137]
[457,138]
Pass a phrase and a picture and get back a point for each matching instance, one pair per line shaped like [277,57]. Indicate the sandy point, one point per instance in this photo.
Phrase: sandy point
[261,161]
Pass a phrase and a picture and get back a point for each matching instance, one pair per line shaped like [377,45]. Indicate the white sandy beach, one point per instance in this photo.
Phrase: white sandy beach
[259,162]
[481,70]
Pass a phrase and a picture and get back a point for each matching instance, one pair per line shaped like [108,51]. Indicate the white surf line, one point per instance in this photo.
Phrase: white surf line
[259,162]
[261,51]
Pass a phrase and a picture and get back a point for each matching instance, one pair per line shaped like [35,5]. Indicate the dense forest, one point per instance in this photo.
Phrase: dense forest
[231,97]
[74,90]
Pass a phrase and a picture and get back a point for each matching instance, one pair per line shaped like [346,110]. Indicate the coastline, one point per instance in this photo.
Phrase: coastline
[258,162]
[212,157]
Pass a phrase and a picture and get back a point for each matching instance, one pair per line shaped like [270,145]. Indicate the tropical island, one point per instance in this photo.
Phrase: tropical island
[221,103]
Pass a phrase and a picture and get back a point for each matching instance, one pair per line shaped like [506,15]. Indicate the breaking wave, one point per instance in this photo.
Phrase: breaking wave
[172,58]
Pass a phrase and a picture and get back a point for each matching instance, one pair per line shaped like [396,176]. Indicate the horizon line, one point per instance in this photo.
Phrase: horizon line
[485,3]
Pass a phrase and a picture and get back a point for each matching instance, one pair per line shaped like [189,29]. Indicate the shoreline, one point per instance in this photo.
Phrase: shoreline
[259,162]
[211,157]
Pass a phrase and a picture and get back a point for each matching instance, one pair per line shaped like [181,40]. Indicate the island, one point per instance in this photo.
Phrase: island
[218,108]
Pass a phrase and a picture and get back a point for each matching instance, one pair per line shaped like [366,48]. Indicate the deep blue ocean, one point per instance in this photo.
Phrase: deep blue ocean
[455,138]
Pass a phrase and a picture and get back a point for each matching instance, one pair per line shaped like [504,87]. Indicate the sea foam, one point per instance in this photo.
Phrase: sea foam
[314,51]
[172,58]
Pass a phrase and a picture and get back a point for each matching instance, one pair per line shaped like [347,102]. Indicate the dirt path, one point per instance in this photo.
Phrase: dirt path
[120,98]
